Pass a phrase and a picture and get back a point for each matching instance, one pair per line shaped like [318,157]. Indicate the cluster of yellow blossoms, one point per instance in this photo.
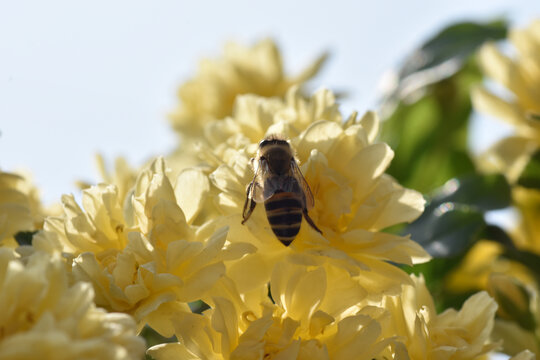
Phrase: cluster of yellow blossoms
[521,78]
[519,105]
[144,244]
[20,208]
[45,316]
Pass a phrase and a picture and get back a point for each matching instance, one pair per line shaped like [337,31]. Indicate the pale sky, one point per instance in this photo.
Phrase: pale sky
[80,77]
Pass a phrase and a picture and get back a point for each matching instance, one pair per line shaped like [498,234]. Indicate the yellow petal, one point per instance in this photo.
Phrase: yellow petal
[312,69]
[367,165]
[161,319]
[524,355]
[350,291]
[191,331]
[179,253]
[319,136]
[298,291]
[511,155]
[289,352]
[197,284]
[251,344]
[125,269]
[174,351]
[370,124]
[225,321]
[318,322]
[355,337]
[491,104]
[251,271]
[515,339]
[191,189]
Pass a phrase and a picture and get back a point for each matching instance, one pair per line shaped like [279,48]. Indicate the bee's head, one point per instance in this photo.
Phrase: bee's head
[277,154]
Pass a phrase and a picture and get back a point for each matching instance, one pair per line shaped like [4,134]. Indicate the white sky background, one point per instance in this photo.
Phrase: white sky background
[80,77]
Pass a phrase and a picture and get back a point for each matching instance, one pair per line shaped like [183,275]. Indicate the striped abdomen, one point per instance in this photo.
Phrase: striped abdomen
[284,212]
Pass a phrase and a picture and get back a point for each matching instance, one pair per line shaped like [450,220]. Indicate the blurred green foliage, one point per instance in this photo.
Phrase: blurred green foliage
[529,259]
[456,42]
[530,177]
[24,237]
[455,213]
[426,114]
[426,121]
[453,221]
[429,136]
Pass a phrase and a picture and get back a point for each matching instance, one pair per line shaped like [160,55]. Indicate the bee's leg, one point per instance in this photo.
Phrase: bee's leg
[249,211]
[246,213]
[310,222]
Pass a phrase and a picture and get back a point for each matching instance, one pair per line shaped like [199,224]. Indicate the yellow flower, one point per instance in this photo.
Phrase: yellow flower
[123,176]
[242,70]
[483,259]
[142,255]
[524,355]
[527,235]
[20,207]
[519,324]
[515,338]
[462,334]
[521,76]
[45,317]
[307,321]
[343,165]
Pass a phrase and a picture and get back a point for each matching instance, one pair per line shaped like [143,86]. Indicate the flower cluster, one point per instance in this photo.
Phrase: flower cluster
[145,243]
[343,165]
[44,314]
[518,324]
[212,93]
[305,322]
[242,70]
[452,334]
[20,207]
[143,255]
[332,295]
[519,75]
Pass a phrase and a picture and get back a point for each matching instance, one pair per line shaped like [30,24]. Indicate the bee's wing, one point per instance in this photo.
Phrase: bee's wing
[303,184]
[255,190]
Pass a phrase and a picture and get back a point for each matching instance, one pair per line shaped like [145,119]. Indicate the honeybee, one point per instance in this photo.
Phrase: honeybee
[280,185]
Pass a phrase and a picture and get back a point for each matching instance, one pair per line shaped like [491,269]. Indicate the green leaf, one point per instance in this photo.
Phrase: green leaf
[485,192]
[427,113]
[454,219]
[455,41]
[426,121]
[530,177]
[442,55]
[450,229]
[526,258]
[497,234]
[513,299]
[429,136]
